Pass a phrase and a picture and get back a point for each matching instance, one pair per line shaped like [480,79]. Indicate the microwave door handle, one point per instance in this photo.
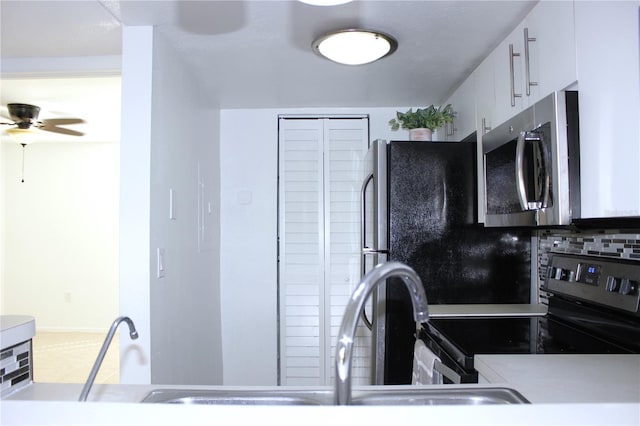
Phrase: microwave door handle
[520,179]
[543,201]
[546,158]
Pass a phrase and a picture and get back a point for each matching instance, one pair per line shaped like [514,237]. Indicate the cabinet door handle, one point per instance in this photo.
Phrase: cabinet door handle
[450,128]
[514,95]
[485,128]
[527,70]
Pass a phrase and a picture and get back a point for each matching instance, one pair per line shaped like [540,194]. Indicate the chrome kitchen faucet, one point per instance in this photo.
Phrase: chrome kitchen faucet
[355,305]
[103,351]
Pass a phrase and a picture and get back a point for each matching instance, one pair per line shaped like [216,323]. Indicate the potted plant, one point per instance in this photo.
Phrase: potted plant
[423,121]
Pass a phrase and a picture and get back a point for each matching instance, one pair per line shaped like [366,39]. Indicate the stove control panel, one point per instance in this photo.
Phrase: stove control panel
[614,283]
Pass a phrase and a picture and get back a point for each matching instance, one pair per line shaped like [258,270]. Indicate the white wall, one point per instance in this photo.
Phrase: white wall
[61,235]
[170,141]
[248,218]
[3,269]
[185,303]
[135,205]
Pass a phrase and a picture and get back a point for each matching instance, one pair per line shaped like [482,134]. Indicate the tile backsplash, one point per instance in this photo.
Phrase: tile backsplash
[604,243]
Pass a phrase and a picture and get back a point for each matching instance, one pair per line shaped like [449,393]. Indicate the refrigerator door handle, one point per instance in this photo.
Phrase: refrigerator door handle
[365,320]
[366,251]
[363,215]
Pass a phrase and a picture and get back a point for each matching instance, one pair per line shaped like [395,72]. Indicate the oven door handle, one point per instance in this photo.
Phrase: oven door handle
[447,372]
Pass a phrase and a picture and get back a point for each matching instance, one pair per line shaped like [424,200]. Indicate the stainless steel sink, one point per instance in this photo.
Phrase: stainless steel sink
[240,397]
[377,396]
[439,396]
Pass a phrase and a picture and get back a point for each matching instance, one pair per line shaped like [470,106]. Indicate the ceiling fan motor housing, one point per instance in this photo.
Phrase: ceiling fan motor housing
[24,115]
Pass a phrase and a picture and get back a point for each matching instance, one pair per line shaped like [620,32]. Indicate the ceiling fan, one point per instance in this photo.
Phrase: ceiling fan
[25,117]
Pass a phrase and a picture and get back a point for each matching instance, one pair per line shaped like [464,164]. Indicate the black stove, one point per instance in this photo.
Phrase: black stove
[592,309]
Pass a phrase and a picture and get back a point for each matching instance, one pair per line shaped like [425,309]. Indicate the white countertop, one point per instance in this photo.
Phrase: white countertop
[487,310]
[559,386]
[566,378]
[16,329]
[74,413]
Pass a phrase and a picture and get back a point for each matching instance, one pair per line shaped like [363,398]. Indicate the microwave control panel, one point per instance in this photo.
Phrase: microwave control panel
[614,283]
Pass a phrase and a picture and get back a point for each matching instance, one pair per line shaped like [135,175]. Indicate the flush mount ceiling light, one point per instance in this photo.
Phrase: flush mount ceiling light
[325,2]
[355,46]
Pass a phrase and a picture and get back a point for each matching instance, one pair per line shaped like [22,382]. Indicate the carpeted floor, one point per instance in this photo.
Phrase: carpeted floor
[61,357]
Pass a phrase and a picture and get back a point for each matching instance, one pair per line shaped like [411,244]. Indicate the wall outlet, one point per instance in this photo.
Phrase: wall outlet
[67,297]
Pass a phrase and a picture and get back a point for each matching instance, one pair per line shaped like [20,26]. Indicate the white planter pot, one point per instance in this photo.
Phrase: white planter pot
[420,134]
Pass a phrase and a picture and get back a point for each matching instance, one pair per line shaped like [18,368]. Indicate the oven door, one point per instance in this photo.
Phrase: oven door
[451,371]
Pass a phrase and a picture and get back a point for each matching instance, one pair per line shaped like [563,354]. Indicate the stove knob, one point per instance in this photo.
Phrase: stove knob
[628,287]
[613,284]
[565,274]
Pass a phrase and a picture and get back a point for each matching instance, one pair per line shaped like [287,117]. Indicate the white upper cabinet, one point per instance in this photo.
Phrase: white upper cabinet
[549,50]
[485,96]
[589,46]
[608,71]
[463,103]
[535,59]
[507,74]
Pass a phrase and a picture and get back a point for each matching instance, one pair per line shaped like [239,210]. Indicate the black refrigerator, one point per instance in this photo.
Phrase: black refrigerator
[419,207]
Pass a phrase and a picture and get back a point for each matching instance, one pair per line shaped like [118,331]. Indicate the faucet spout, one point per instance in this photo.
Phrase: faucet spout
[103,351]
[355,305]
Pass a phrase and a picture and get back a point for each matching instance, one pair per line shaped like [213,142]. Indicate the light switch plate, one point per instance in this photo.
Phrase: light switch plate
[172,209]
[160,259]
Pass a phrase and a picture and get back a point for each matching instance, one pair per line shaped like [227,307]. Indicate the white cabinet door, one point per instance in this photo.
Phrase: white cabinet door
[485,96]
[535,59]
[549,55]
[508,75]
[463,102]
[608,70]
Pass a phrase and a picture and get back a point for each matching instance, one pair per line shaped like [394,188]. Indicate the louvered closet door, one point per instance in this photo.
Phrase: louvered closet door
[320,176]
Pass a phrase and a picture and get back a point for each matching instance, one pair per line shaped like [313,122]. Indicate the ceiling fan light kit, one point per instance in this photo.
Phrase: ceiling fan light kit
[355,46]
[23,136]
[27,127]
[25,117]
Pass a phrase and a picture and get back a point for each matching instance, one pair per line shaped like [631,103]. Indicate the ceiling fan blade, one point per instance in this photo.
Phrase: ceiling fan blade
[61,130]
[53,122]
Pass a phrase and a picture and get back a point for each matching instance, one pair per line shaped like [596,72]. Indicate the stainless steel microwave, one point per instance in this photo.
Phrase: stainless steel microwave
[532,165]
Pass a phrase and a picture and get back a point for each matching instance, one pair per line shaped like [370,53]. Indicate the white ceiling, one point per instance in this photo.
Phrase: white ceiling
[252,54]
